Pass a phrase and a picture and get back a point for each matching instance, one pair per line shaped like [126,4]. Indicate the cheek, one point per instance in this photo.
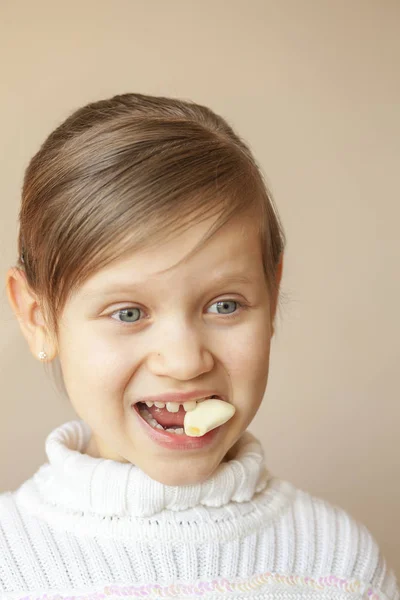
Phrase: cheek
[248,353]
[247,362]
[95,367]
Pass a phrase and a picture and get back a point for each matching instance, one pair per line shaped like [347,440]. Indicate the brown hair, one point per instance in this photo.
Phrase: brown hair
[121,173]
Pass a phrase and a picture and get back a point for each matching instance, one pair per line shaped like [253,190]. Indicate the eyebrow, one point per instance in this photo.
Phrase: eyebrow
[134,286]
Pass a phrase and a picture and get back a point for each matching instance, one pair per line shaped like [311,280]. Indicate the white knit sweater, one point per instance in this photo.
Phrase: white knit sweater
[91,528]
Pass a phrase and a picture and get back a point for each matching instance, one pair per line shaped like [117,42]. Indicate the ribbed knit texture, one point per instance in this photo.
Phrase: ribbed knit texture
[94,528]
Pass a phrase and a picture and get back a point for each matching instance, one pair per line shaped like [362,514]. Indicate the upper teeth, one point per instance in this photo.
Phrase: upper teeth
[173,407]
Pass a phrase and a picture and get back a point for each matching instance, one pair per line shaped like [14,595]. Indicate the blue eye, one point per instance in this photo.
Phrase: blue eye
[224,303]
[132,311]
[128,312]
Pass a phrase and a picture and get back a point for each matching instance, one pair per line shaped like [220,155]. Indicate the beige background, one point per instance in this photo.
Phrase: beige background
[313,86]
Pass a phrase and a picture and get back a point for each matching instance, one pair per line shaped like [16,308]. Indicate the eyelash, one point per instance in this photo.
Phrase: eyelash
[242,306]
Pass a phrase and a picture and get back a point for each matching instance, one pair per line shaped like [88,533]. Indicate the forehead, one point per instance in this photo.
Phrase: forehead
[233,249]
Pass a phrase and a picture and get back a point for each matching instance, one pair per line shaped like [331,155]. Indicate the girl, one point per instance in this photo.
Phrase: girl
[151,257]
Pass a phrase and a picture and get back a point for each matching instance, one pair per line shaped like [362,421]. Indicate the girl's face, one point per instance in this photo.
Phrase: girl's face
[174,338]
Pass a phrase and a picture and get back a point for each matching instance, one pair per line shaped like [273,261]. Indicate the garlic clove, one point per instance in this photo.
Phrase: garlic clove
[207,415]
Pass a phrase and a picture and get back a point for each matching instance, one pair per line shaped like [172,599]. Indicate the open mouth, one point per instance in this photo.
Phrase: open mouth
[161,418]
[167,428]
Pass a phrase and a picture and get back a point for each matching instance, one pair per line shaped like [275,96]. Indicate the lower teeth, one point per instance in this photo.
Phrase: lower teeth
[147,417]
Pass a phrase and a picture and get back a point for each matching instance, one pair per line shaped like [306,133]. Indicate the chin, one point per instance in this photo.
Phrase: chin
[175,475]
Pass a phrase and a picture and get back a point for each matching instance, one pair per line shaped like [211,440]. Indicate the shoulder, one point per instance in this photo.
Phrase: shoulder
[9,532]
[7,508]
[336,543]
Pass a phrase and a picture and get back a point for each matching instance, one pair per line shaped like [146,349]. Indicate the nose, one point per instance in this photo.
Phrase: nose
[181,356]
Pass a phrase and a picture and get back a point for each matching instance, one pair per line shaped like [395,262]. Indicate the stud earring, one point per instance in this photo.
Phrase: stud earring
[42,355]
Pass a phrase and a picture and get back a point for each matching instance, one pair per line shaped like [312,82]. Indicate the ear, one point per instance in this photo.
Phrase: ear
[29,313]
[279,270]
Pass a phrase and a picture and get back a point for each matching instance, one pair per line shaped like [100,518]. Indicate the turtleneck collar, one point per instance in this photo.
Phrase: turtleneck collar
[105,487]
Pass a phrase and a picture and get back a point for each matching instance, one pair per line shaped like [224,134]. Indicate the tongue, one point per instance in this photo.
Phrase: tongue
[165,418]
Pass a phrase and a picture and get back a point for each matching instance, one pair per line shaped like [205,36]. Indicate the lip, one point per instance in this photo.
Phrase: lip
[175,441]
[180,396]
